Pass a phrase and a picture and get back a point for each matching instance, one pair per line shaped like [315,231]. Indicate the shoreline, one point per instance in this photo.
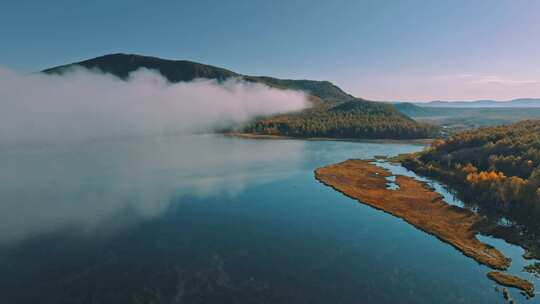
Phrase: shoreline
[414,203]
[509,280]
[422,141]
[488,227]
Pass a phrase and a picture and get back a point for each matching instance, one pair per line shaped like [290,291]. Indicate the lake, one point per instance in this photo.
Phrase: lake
[199,219]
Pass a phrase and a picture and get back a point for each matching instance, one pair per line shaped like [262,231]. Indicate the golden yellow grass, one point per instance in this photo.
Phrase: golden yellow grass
[414,203]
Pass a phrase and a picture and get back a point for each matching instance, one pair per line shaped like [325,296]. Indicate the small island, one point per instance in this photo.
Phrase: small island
[509,280]
[413,202]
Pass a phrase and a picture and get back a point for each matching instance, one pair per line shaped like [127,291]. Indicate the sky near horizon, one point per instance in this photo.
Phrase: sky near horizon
[380,50]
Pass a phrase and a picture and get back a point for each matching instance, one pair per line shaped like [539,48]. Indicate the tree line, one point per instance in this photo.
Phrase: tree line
[354,119]
[497,168]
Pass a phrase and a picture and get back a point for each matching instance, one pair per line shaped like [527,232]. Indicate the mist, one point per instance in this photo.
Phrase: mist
[99,187]
[83,104]
[89,152]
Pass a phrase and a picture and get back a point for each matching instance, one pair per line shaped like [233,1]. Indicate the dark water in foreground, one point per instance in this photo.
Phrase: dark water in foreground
[211,219]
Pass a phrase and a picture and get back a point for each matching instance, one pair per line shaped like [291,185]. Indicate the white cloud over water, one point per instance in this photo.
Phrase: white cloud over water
[87,151]
[100,186]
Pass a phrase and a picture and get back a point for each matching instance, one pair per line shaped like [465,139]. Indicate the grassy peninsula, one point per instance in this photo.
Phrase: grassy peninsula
[414,203]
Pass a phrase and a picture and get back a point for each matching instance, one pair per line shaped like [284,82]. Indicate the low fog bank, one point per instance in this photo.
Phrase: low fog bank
[107,185]
[83,104]
[57,174]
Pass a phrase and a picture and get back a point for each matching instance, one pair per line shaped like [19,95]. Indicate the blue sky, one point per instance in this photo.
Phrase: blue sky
[382,50]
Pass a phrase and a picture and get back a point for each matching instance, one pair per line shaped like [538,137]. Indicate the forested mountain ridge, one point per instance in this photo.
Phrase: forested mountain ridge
[335,113]
[351,119]
[121,65]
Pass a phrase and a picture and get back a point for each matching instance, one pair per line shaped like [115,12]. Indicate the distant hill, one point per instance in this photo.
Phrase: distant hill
[335,113]
[453,118]
[413,110]
[514,103]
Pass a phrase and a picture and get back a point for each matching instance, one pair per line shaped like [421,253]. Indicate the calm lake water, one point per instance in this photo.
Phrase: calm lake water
[211,219]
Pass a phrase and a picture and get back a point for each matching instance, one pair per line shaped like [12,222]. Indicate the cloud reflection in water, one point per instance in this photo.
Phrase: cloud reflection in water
[84,186]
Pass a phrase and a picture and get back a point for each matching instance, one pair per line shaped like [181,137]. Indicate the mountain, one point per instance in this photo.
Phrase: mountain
[335,113]
[514,103]
[121,65]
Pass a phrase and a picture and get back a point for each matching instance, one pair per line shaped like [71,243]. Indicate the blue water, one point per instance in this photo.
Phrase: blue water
[212,219]
[515,253]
